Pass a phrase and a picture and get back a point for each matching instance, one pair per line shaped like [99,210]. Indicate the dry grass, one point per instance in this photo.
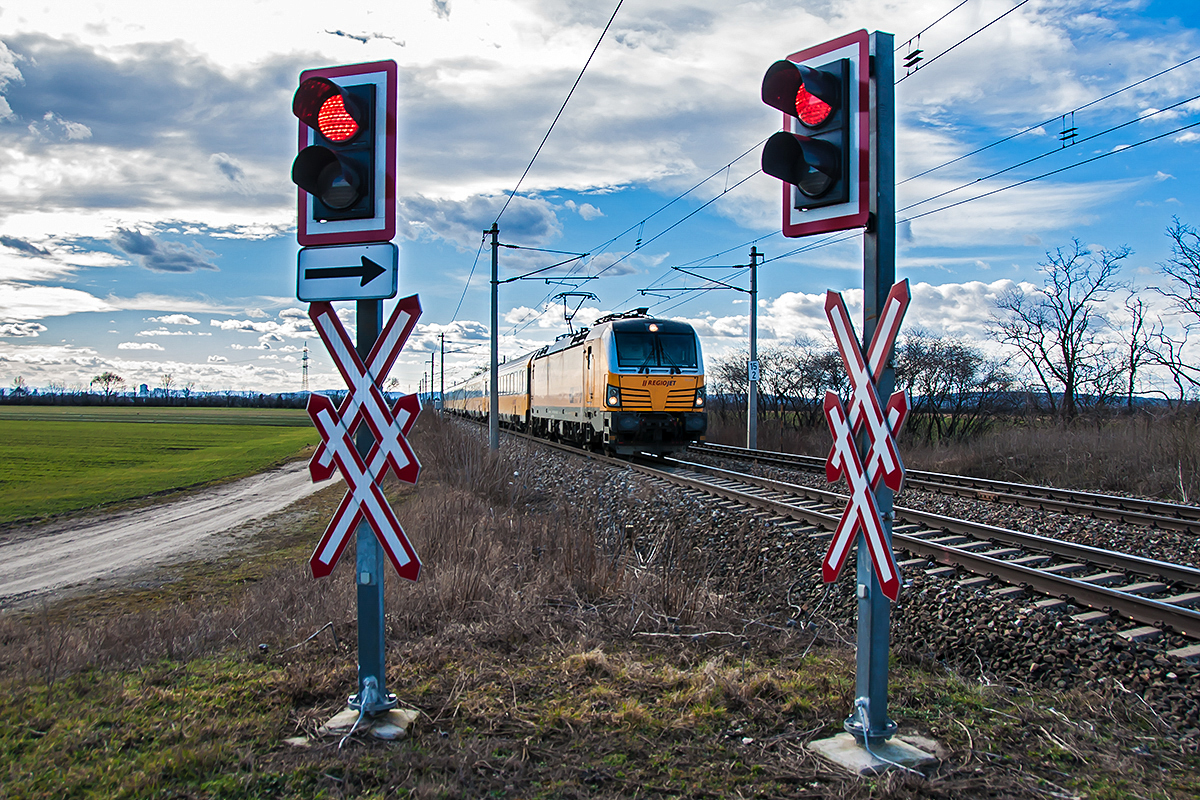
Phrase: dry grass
[500,558]
[523,645]
[1150,455]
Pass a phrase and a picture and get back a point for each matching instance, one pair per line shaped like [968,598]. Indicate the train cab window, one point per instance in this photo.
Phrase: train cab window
[635,349]
[677,350]
[643,350]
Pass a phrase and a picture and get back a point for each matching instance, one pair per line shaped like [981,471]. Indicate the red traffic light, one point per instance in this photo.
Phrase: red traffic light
[326,108]
[810,109]
[336,172]
[822,155]
[345,165]
[807,94]
[815,161]
[334,121]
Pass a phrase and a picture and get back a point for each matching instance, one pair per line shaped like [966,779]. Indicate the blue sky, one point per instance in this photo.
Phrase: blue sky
[147,218]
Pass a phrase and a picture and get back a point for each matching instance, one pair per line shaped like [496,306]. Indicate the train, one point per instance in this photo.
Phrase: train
[631,383]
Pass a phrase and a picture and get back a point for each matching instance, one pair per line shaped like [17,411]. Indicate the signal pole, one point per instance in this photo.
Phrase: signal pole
[373,697]
[442,389]
[753,373]
[879,273]
[494,386]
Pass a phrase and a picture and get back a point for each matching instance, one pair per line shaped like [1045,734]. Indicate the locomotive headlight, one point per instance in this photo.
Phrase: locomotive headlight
[613,398]
[700,397]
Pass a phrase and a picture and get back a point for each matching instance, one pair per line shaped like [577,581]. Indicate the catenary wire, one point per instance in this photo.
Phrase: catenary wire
[1048,121]
[964,39]
[599,249]
[468,283]
[930,25]
[1027,161]
[559,114]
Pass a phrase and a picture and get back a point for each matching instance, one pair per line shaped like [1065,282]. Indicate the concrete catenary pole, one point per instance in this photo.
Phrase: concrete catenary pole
[752,367]
[494,386]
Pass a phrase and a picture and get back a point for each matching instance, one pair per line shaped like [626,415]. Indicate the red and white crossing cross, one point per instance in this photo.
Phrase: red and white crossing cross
[364,500]
[883,459]
[861,513]
[358,377]
[365,404]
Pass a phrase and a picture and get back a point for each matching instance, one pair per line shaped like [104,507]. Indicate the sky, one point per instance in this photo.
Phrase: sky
[147,216]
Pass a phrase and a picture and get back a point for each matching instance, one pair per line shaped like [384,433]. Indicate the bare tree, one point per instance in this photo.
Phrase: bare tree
[1183,270]
[1057,330]
[167,381]
[1169,355]
[1183,290]
[1139,341]
[109,382]
[952,385]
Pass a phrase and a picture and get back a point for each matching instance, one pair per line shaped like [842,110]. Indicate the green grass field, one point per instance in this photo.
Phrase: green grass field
[56,459]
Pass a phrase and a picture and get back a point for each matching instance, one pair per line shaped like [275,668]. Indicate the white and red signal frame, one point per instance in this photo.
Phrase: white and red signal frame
[381,227]
[854,213]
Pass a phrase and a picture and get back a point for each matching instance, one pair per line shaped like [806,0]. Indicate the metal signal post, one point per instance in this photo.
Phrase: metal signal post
[372,697]
[753,373]
[879,273]
[836,158]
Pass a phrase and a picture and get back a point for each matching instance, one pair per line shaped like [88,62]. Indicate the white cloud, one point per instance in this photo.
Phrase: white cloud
[174,319]
[23,302]
[21,329]
[165,332]
[139,346]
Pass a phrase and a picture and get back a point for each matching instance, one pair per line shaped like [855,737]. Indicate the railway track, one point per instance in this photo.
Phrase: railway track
[1152,597]
[1155,596]
[1129,510]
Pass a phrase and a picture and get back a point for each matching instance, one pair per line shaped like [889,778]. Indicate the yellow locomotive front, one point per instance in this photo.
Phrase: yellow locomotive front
[654,395]
[629,384]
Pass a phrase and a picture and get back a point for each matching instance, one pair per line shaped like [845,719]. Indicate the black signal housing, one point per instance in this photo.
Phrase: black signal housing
[814,157]
[338,168]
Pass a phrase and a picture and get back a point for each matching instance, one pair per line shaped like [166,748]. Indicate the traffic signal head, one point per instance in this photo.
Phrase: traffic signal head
[816,159]
[823,154]
[338,170]
[346,165]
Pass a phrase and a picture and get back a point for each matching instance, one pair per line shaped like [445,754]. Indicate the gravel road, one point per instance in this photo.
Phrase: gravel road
[48,559]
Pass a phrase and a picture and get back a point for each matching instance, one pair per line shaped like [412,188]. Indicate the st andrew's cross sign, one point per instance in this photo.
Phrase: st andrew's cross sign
[365,404]
[882,461]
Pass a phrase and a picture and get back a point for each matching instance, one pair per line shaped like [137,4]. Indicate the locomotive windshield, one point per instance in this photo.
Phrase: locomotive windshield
[643,350]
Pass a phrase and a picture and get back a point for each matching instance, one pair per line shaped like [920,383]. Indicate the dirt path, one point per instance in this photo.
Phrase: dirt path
[49,559]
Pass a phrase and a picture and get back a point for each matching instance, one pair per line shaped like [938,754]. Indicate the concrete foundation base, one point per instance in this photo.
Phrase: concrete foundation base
[845,751]
[391,725]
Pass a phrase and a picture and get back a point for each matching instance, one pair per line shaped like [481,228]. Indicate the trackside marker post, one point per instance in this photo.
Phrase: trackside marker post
[345,172]
[836,157]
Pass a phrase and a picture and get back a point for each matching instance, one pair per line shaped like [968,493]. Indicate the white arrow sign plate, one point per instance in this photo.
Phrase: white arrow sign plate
[347,272]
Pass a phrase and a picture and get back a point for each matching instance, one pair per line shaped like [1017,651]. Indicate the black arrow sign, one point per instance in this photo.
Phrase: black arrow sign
[369,271]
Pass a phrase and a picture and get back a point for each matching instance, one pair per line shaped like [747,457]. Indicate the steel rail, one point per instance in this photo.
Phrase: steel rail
[1131,510]
[1161,615]
[1165,616]
[1150,567]
[1139,609]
